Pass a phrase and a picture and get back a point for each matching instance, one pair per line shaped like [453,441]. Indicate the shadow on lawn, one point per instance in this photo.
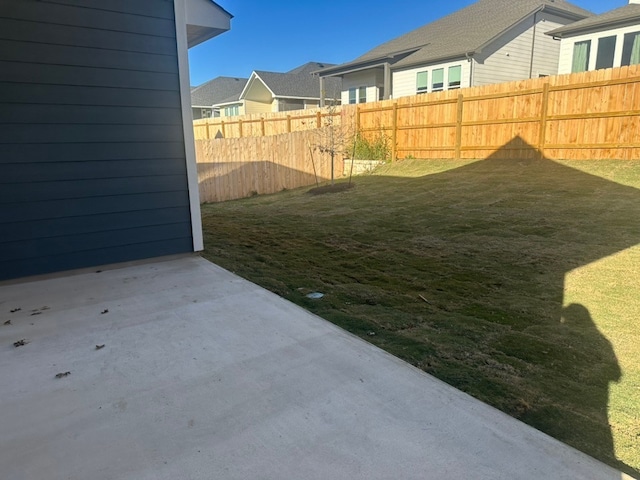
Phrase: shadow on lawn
[589,218]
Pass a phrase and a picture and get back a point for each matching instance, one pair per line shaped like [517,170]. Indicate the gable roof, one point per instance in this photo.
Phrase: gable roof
[627,15]
[216,91]
[297,83]
[463,32]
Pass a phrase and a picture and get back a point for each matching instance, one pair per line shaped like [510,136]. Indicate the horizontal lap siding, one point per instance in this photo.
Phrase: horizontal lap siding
[92,162]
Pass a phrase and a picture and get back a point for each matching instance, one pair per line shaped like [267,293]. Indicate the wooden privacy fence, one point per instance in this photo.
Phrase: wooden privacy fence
[264,124]
[233,168]
[590,115]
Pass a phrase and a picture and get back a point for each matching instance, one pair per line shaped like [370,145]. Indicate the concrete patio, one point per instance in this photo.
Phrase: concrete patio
[204,375]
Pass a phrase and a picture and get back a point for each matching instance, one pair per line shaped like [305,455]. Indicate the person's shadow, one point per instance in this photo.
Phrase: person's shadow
[551,220]
[582,336]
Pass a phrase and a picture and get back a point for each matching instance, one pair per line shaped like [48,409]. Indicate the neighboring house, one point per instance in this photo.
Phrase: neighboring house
[98,162]
[210,93]
[296,89]
[603,41]
[490,41]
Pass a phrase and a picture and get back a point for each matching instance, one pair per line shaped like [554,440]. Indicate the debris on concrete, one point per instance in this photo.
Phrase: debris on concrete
[20,343]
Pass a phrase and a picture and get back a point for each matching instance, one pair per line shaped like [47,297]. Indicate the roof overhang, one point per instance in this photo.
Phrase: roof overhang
[564,32]
[357,65]
[292,97]
[226,104]
[205,19]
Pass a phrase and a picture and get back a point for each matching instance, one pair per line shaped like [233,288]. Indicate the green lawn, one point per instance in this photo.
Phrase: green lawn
[514,281]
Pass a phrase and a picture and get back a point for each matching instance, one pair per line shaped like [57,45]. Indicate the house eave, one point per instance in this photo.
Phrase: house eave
[356,66]
[627,22]
[293,97]
[205,19]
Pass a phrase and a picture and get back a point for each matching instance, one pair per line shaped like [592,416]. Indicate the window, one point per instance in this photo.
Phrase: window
[231,111]
[581,52]
[362,95]
[352,95]
[422,82]
[358,95]
[455,75]
[631,49]
[606,48]
[437,80]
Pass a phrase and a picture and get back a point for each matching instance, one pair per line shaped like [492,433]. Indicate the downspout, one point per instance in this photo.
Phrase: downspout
[533,41]
[469,56]
[387,81]
[321,91]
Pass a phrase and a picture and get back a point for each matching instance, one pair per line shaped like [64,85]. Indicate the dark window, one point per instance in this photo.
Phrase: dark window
[606,49]
[631,49]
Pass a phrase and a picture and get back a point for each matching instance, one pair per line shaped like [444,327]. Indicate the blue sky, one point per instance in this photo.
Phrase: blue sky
[278,35]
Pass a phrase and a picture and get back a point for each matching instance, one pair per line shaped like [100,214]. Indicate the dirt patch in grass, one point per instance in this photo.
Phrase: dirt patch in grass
[335,188]
[514,281]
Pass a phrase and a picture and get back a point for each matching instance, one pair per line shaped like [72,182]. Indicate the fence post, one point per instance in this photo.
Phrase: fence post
[357,119]
[240,128]
[224,133]
[318,119]
[394,133]
[458,150]
[262,125]
[288,123]
[206,130]
[543,120]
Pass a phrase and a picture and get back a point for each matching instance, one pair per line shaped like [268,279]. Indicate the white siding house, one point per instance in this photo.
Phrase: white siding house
[431,78]
[361,87]
[490,41]
[604,41]
[522,52]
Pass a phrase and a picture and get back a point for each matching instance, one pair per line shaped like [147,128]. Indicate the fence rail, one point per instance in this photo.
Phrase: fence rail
[260,125]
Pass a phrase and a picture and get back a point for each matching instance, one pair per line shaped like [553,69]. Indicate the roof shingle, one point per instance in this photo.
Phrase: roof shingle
[465,31]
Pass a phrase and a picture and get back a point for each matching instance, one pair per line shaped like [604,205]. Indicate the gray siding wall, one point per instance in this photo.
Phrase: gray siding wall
[92,158]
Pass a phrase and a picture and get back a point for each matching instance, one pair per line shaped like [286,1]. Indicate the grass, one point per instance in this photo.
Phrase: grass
[514,281]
